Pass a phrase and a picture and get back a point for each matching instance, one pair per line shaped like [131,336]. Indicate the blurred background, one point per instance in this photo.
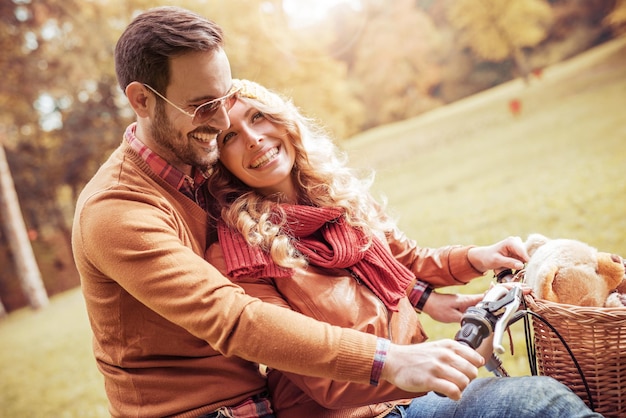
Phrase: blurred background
[482,118]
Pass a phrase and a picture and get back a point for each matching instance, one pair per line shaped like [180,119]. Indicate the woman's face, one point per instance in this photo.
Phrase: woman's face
[258,152]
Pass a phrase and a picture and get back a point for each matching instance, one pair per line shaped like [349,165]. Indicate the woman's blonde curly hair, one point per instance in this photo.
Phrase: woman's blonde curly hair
[320,174]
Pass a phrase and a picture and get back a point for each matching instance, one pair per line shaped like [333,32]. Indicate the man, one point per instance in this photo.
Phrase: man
[172,335]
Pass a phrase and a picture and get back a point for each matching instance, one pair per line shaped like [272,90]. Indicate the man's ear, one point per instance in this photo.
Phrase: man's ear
[139,98]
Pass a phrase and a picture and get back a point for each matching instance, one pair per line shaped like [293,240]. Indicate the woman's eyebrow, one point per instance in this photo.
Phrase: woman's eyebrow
[247,112]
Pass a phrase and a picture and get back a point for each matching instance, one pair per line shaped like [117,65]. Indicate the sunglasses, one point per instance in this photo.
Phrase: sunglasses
[205,111]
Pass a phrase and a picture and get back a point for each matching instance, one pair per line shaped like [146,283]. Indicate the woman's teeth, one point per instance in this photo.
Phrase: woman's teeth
[265,158]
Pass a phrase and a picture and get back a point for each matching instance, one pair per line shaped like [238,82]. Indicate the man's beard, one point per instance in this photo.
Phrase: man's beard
[180,147]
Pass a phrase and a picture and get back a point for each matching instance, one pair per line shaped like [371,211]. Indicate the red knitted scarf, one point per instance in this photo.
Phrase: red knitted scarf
[326,240]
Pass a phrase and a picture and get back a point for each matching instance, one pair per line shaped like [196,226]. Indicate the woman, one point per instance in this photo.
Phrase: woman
[298,228]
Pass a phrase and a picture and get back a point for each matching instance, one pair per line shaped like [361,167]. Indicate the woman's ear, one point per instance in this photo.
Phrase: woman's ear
[139,98]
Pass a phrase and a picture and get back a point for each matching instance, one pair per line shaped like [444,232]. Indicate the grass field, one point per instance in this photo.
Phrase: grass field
[472,173]
[467,173]
[47,367]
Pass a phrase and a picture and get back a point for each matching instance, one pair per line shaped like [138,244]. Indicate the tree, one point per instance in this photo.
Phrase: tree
[56,55]
[15,230]
[395,71]
[360,67]
[617,18]
[497,30]
[264,46]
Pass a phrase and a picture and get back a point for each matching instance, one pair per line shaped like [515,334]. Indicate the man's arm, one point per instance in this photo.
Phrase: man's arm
[147,251]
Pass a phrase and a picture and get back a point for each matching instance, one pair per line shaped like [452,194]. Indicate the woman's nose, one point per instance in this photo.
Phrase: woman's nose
[254,140]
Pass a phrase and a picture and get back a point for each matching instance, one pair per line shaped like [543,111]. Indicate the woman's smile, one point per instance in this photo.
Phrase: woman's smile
[266,158]
[257,151]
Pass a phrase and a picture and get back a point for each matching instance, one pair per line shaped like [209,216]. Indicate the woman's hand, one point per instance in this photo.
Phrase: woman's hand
[510,253]
[449,308]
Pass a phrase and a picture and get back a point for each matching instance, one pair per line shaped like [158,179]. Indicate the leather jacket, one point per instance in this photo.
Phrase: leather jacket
[341,298]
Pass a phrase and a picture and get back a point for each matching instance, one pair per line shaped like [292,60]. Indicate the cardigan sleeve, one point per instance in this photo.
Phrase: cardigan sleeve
[136,244]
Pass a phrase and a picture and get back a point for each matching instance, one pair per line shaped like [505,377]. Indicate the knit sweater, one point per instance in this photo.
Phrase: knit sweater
[168,327]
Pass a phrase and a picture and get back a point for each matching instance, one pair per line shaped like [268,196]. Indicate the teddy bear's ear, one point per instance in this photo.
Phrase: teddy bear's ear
[550,293]
[533,242]
[611,268]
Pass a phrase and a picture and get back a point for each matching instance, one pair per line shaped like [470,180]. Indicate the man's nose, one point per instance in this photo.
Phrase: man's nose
[220,120]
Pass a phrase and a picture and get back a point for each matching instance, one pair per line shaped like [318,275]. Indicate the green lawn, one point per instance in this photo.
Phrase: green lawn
[466,173]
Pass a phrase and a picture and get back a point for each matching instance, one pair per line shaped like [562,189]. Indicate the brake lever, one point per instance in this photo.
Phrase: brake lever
[490,316]
[502,303]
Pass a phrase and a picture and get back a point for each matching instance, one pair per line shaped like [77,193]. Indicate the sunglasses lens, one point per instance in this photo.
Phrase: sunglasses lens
[206,112]
[229,102]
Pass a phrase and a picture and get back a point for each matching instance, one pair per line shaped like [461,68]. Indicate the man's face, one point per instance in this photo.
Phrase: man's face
[195,79]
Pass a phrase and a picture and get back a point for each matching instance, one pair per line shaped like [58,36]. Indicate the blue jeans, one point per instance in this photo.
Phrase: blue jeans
[502,397]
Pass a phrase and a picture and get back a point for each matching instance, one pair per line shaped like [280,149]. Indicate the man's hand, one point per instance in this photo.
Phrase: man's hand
[444,366]
[510,253]
[449,308]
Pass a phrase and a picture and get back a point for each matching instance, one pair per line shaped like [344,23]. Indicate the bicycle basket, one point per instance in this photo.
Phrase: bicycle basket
[597,339]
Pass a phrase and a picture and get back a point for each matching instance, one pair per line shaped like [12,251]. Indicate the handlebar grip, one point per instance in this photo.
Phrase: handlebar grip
[475,327]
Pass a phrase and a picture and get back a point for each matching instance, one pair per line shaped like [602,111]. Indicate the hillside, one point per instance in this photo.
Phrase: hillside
[473,172]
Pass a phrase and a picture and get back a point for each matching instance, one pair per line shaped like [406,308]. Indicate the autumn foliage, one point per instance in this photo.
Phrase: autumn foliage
[356,69]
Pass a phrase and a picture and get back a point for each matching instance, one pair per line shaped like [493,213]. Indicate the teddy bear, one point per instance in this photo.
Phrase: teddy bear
[571,272]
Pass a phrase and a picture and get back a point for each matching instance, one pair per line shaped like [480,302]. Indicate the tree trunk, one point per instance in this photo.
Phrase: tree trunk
[15,230]
[521,63]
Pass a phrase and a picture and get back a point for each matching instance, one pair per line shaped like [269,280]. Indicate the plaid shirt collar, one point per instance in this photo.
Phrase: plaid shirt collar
[185,184]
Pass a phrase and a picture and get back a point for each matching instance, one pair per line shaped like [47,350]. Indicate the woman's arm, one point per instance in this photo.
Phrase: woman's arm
[451,265]
[443,266]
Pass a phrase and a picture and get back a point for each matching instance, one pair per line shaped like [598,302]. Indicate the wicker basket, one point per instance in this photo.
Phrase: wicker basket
[597,339]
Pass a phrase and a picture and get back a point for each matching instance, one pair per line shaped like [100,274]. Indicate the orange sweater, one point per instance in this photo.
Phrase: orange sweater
[168,327]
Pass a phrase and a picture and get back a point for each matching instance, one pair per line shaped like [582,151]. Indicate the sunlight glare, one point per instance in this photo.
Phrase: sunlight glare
[307,12]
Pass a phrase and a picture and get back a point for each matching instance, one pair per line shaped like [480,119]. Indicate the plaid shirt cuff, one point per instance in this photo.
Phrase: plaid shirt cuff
[419,294]
[255,406]
[382,347]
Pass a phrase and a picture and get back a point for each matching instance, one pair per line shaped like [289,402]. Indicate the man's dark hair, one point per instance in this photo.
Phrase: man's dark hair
[154,37]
